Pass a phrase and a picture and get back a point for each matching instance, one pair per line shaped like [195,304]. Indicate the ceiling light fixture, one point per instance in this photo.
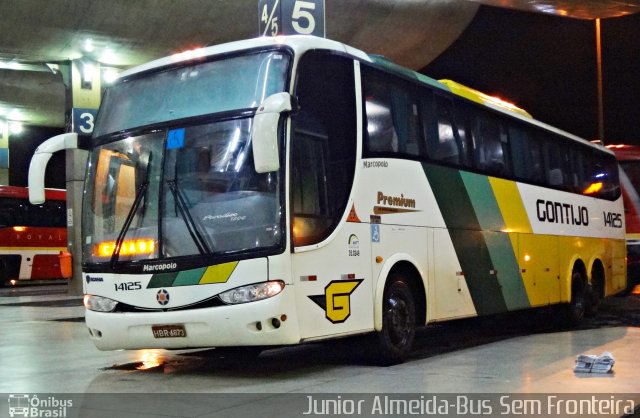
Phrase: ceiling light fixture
[88,71]
[15,128]
[108,56]
[109,75]
[88,45]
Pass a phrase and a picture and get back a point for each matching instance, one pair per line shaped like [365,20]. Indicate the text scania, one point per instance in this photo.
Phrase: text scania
[562,213]
[156,267]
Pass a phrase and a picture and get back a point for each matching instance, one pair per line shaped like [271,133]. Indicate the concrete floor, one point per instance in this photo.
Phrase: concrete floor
[46,350]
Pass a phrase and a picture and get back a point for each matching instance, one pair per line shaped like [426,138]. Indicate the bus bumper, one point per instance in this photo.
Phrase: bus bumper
[267,322]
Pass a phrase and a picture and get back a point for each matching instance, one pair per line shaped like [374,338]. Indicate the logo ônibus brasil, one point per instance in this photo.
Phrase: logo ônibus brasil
[23,405]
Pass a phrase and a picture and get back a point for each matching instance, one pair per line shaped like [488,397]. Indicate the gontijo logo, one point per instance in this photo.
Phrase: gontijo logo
[336,300]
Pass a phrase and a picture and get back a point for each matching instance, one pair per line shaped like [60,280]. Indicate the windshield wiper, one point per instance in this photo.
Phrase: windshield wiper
[192,227]
[127,222]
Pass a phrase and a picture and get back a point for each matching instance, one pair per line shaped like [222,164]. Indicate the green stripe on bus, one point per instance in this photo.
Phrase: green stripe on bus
[162,280]
[483,201]
[189,277]
[501,251]
[508,272]
[468,241]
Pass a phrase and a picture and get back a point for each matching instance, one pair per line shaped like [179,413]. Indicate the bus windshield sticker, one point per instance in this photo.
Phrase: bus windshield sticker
[175,139]
[354,246]
[353,216]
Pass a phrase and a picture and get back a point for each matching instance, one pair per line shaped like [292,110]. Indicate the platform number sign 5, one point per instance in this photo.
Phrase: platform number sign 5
[291,17]
[302,18]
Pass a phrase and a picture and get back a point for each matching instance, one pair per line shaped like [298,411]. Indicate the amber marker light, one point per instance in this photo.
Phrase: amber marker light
[593,188]
[19,228]
[128,247]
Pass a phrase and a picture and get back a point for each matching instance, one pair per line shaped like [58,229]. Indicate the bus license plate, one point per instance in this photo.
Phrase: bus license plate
[168,331]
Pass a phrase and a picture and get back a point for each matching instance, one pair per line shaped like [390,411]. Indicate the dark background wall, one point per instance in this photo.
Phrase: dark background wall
[21,149]
[547,65]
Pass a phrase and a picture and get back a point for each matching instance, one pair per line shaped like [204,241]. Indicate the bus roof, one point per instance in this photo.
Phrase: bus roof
[302,43]
[17,192]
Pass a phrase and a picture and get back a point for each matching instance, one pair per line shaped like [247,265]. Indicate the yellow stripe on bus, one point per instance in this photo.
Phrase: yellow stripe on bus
[219,273]
[511,206]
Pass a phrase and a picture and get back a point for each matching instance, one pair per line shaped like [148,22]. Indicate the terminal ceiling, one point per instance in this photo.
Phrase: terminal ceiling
[124,33]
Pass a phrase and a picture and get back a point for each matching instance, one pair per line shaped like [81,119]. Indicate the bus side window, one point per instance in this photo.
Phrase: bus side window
[612,180]
[526,154]
[579,180]
[392,115]
[444,144]
[555,161]
[603,178]
[491,145]
[382,136]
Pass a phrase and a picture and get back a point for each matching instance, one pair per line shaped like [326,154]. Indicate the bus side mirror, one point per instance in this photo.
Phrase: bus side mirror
[39,162]
[264,135]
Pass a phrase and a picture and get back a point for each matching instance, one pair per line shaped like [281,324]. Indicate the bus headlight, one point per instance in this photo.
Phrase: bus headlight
[99,304]
[252,292]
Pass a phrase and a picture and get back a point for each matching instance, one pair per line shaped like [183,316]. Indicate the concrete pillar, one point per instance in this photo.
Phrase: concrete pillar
[83,100]
[4,153]
[76,166]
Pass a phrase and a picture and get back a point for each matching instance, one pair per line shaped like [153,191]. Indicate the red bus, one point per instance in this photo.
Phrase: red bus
[32,237]
[629,159]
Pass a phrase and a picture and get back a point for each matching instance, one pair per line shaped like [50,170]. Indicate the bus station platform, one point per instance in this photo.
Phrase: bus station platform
[45,351]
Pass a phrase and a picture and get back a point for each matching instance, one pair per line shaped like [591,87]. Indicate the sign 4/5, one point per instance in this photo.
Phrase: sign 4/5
[291,17]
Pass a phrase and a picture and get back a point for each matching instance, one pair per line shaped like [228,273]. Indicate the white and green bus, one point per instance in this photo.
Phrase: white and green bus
[278,191]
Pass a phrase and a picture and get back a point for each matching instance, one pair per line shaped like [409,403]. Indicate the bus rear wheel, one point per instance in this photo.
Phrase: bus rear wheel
[579,299]
[595,291]
[398,321]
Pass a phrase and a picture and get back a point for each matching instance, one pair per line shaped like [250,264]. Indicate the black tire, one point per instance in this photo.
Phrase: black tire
[398,322]
[577,308]
[595,292]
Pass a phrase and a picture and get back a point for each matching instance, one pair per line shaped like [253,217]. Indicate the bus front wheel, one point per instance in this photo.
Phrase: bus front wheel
[398,321]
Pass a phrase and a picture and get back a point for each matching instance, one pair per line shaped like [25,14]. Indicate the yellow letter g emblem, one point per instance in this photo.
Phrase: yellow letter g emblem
[336,300]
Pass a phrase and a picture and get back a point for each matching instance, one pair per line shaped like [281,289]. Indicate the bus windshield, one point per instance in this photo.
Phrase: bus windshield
[184,188]
[240,82]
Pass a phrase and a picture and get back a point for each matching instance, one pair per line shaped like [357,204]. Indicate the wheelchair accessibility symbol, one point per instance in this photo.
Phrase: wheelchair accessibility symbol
[375,233]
